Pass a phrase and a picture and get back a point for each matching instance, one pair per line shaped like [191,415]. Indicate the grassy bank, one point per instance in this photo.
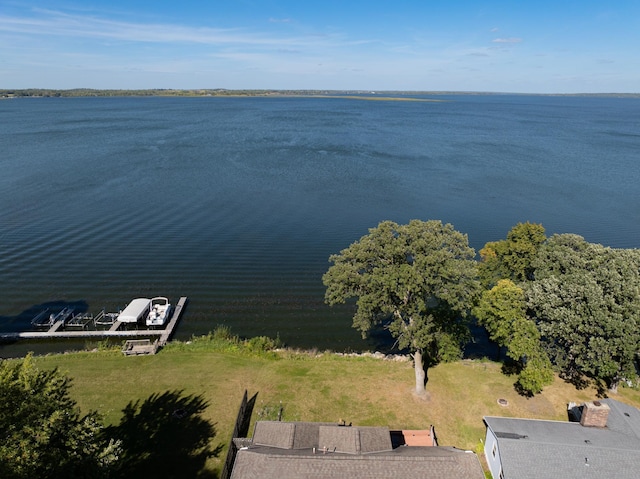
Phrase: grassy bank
[313,387]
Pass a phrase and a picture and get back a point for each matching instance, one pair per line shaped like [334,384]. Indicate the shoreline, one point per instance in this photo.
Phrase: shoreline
[386,95]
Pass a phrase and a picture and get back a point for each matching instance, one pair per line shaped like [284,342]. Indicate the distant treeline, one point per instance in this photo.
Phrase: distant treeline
[89,92]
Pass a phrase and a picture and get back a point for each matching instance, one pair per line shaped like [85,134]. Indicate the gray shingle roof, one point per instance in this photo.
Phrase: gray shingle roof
[623,418]
[287,450]
[301,435]
[532,448]
[410,462]
[354,440]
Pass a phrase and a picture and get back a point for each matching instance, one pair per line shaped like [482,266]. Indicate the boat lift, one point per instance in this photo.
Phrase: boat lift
[44,321]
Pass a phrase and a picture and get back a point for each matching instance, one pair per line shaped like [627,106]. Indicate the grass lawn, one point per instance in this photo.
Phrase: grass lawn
[326,387]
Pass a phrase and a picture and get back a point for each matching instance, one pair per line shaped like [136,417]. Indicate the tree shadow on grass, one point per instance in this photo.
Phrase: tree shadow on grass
[165,436]
[511,367]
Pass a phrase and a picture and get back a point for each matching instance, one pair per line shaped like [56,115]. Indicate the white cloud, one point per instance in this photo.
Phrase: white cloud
[507,40]
[56,23]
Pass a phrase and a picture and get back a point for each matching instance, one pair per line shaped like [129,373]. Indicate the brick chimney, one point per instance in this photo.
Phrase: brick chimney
[594,414]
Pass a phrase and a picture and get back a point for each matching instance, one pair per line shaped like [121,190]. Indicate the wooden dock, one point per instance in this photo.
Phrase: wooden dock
[168,331]
[135,347]
[55,332]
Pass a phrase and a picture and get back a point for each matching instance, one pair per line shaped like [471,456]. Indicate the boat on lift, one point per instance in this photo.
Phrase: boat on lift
[159,311]
[136,311]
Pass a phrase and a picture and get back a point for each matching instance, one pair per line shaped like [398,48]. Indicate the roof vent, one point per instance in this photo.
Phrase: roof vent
[594,414]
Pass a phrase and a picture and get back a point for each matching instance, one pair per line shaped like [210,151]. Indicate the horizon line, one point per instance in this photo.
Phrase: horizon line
[316,91]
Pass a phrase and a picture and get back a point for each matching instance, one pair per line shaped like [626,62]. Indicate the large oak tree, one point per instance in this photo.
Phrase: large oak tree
[586,304]
[419,280]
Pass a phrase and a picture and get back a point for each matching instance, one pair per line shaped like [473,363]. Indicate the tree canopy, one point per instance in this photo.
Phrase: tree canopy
[502,311]
[42,433]
[419,280]
[585,301]
[575,303]
[511,258]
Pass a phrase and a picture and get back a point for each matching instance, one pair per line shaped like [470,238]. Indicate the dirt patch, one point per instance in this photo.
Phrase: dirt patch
[424,396]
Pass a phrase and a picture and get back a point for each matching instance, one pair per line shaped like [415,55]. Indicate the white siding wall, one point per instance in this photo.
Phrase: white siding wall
[492,454]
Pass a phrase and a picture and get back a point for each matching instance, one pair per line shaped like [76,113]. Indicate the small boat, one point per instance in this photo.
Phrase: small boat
[159,312]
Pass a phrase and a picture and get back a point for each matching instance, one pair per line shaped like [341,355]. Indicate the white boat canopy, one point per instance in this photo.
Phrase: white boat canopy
[135,310]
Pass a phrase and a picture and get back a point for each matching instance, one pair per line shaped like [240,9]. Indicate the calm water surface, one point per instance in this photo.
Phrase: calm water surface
[237,203]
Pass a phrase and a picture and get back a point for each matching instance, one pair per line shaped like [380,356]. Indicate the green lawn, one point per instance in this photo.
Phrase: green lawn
[326,387]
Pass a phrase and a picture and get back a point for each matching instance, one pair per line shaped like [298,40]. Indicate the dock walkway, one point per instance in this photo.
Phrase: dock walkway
[56,326]
[168,331]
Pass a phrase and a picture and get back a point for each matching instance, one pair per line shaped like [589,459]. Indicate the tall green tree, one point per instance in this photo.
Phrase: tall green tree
[511,258]
[419,279]
[499,308]
[42,433]
[502,310]
[586,304]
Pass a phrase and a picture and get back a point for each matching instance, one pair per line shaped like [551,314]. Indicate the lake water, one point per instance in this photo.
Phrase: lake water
[237,203]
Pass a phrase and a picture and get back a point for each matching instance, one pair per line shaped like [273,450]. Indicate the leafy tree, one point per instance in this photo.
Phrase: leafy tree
[499,308]
[586,304]
[417,279]
[42,433]
[502,311]
[536,374]
[511,258]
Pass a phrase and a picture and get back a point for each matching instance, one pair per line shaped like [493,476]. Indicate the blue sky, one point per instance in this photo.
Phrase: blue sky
[501,46]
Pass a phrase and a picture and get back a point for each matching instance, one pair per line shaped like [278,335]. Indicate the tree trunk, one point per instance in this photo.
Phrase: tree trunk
[420,373]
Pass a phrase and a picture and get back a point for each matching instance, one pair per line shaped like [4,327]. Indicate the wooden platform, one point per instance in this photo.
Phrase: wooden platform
[55,333]
[136,347]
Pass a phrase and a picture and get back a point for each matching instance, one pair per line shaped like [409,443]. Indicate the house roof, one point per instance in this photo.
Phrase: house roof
[415,462]
[329,437]
[531,448]
[283,450]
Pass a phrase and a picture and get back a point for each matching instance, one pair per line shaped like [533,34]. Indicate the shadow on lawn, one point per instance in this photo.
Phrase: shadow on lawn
[165,436]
